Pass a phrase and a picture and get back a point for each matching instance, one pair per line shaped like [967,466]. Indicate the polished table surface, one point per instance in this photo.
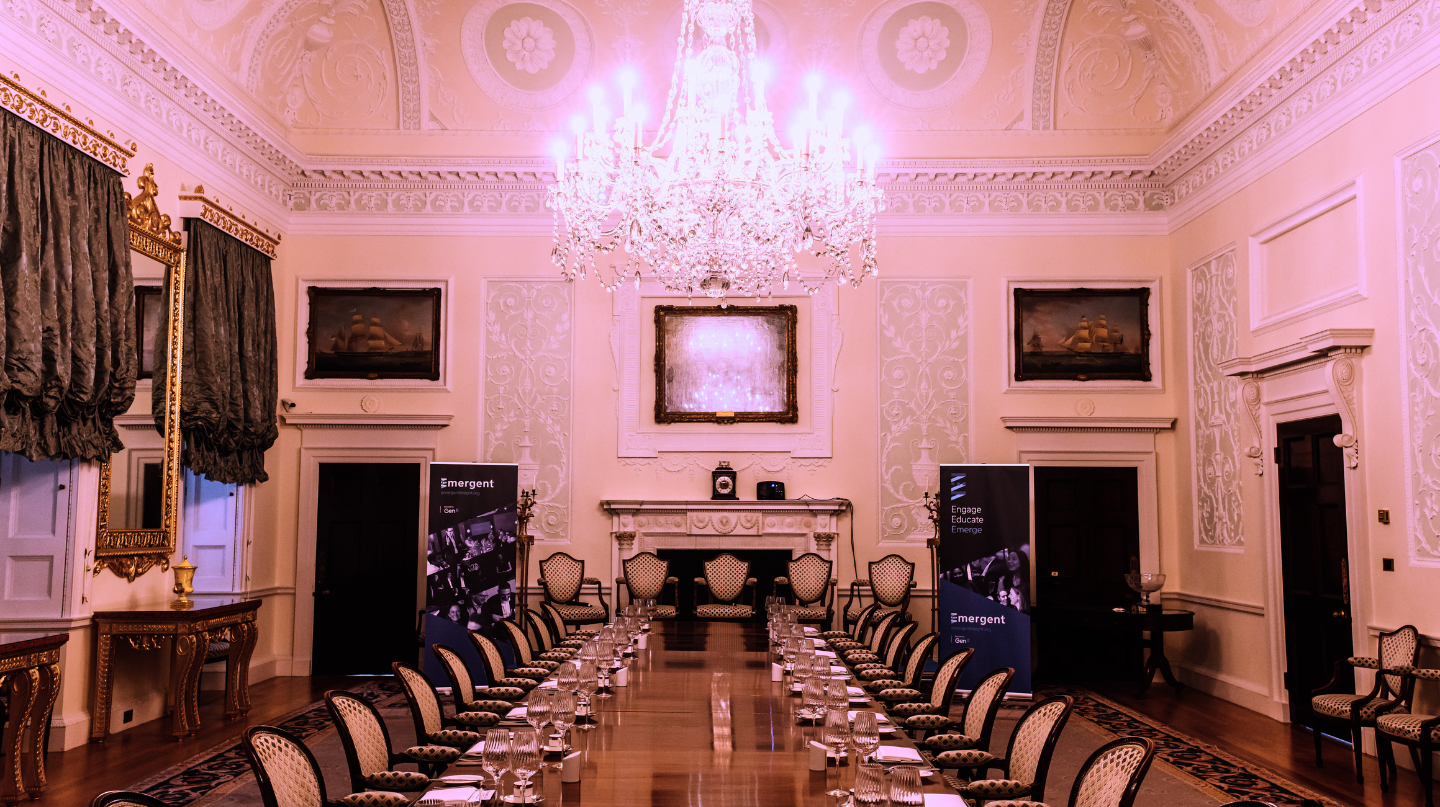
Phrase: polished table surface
[700,723]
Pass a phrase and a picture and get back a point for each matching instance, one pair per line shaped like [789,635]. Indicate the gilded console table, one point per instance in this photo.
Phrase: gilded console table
[216,627]
[30,675]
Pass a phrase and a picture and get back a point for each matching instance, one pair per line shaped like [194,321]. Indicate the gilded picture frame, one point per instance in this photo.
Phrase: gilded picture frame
[1082,334]
[748,358]
[130,553]
[374,333]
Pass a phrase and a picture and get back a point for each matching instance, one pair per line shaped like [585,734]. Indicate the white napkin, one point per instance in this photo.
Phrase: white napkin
[879,718]
[896,753]
[856,692]
[453,797]
[819,642]
[944,800]
[825,653]
[518,713]
[551,684]
[809,631]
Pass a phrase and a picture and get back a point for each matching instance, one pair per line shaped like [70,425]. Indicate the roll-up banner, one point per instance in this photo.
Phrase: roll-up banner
[985,569]
[470,572]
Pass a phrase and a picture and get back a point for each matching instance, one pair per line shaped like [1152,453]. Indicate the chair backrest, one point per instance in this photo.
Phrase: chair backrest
[862,620]
[562,576]
[462,686]
[890,579]
[490,657]
[424,703]
[519,642]
[896,644]
[726,574]
[555,620]
[1398,648]
[126,798]
[882,628]
[979,716]
[915,661]
[645,575]
[942,689]
[362,734]
[810,577]
[284,768]
[1112,775]
[1033,741]
[539,632]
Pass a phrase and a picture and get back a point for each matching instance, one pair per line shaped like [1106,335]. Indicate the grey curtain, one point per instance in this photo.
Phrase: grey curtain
[67,356]
[230,382]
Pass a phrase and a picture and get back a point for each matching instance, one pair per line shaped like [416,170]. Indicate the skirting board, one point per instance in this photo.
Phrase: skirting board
[1225,687]
[213,675]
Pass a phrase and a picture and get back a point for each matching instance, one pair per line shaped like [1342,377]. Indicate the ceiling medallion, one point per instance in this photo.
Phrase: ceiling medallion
[725,209]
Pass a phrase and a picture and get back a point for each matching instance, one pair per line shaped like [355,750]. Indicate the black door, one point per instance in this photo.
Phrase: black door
[1087,537]
[366,551]
[1314,558]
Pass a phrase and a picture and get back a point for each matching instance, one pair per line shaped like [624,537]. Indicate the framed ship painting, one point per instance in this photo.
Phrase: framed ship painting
[1082,334]
[373,333]
[725,365]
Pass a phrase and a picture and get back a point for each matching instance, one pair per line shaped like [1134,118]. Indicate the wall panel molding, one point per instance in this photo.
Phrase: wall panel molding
[1418,183]
[1216,406]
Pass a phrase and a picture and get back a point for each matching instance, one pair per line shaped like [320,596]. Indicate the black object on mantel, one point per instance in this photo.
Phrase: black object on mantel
[770,491]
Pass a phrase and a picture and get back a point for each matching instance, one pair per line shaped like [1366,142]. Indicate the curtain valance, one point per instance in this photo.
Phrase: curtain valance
[67,352]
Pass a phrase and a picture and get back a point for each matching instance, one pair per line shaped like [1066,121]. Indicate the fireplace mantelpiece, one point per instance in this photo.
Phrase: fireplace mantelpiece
[799,525]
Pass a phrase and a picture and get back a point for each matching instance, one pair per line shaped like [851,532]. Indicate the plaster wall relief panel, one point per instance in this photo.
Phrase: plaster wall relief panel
[1420,332]
[529,362]
[1216,425]
[527,56]
[923,349]
[328,64]
[925,55]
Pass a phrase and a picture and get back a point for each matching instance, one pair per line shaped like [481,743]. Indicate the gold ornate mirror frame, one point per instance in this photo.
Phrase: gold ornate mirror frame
[131,553]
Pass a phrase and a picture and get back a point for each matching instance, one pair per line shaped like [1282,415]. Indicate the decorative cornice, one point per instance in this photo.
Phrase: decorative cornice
[627,506]
[39,110]
[1090,424]
[1308,348]
[196,205]
[321,420]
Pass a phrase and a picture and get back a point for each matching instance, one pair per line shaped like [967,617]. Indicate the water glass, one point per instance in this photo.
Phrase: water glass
[812,698]
[524,760]
[496,759]
[562,717]
[865,734]
[588,684]
[870,784]
[905,786]
[836,737]
[537,710]
[837,694]
[567,677]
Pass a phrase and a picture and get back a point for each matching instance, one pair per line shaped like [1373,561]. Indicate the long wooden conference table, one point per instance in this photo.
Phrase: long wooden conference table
[701,723]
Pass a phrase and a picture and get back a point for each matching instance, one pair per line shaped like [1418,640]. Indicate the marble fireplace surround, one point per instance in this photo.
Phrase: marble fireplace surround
[799,525]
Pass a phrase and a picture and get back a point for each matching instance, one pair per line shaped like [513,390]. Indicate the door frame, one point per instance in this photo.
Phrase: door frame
[310,459]
[1299,383]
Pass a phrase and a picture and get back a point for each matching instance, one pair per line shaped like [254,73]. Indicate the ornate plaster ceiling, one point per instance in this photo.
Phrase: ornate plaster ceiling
[512,69]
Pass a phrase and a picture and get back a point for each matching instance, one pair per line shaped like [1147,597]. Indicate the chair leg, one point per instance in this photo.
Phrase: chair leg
[1315,731]
[1425,767]
[1385,752]
[1355,739]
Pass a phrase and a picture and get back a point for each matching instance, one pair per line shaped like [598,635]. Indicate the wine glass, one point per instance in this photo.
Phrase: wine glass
[496,759]
[870,784]
[538,712]
[905,786]
[865,735]
[837,694]
[589,683]
[836,736]
[812,698]
[792,649]
[562,717]
[524,762]
[802,670]
[567,677]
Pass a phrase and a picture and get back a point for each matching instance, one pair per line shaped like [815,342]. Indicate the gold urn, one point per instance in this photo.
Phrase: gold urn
[184,584]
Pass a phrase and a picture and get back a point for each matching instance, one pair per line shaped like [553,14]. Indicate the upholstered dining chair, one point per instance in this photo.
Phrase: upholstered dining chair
[883,664]
[878,634]
[562,577]
[522,678]
[1421,733]
[1026,763]
[528,656]
[125,798]
[862,630]
[547,638]
[891,580]
[910,704]
[432,726]
[811,583]
[369,755]
[1111,777]
[646,576]
[977,718]
[564,631]
[726,578]
[908,678]
[467,696]
[853,630]
[289,776]
[1353,713]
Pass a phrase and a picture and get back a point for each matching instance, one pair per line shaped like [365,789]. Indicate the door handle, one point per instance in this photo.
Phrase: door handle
[322,591]
[1340,614]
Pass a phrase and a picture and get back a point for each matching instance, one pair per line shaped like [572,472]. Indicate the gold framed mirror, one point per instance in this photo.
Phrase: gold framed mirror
[130,553]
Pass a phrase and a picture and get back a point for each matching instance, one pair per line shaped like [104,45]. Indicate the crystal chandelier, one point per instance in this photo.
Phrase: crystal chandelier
[715,204]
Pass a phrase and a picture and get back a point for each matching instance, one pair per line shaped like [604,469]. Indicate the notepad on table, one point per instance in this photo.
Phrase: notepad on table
[454,797]
[551,684]
[944,800]
[897,754]
[879,718]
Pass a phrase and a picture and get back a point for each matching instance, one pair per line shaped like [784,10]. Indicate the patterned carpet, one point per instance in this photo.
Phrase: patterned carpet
[213,773]
[1226,776]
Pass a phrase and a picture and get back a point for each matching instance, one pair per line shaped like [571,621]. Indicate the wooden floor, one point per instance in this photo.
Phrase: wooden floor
[651,733]
[1282,747]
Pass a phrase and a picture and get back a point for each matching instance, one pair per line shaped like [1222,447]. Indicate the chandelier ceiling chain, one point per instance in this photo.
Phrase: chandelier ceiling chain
[728,208]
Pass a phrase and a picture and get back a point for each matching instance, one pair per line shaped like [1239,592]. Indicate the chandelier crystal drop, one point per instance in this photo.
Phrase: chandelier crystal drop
[715,205]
